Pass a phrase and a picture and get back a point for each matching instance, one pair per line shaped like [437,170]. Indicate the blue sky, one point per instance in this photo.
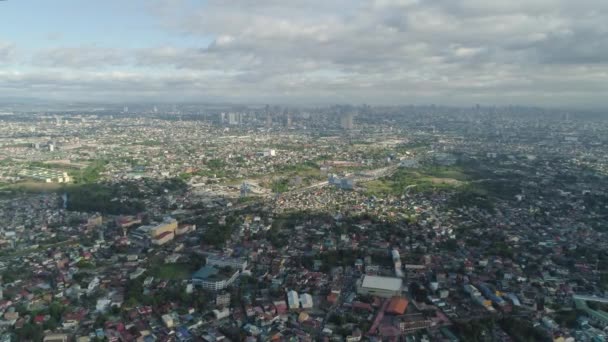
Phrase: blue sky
[459,52]
[105,23]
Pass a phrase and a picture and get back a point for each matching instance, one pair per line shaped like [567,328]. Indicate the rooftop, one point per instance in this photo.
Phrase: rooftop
[213,273]
[384,283]
[397,306]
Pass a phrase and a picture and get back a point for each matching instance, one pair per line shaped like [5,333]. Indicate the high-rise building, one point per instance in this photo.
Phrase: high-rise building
[288,120]
[347,121]
[268,117]
[268,120]
[233,118]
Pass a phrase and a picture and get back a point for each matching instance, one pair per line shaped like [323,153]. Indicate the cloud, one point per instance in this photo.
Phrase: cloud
[80,57]
[7,52]
[381,51]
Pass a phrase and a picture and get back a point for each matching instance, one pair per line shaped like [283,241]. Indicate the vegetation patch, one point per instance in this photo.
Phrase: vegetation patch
[421,180]
[90,174]
[178,271]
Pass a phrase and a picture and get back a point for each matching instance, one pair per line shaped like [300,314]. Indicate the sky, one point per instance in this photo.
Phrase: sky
[453,52]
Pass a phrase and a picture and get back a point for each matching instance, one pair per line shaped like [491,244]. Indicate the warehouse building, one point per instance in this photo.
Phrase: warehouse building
[386,287]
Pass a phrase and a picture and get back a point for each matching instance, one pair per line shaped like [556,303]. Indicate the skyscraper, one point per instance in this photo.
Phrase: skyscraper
[233,118]
[268,117]
[288,121]
[347,121]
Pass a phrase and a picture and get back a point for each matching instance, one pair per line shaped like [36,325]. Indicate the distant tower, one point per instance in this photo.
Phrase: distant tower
[101,237]
[347,121]
[268,117]
[288,121]
[125,109]
[233,118]
[155,110]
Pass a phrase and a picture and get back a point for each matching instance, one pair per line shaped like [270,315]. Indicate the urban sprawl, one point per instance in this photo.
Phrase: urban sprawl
[267,223]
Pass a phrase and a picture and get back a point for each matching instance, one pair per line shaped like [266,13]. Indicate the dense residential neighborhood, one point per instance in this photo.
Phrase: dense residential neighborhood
[268,224]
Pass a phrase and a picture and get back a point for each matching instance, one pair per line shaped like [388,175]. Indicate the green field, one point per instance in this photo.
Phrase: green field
[90,174]
[172,271]
[423,179]
[305,169]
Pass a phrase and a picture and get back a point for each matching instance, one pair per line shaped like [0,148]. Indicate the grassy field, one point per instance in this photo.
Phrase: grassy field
[172,271]
[417,180]
[378,187]
[307,169]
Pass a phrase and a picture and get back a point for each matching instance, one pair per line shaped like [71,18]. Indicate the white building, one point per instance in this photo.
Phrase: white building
[103,304]
[93,285]
[306,301]
[220,314]
[213,278]
[233,118]
[380,286]
[168,320]
[267,153]
[293,300]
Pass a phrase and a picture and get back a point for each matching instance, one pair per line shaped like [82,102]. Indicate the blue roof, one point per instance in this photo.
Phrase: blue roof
[183,332]
[205,272]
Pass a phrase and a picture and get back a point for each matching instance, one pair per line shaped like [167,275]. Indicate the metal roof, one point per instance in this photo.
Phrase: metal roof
[382,283]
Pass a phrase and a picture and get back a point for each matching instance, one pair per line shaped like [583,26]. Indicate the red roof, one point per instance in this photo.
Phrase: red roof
[332,297]
[362,306]
[397,306]
[163,235]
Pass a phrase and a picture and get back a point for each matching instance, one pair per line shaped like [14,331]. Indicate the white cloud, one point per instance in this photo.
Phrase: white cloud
[393,51]
[7,52]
